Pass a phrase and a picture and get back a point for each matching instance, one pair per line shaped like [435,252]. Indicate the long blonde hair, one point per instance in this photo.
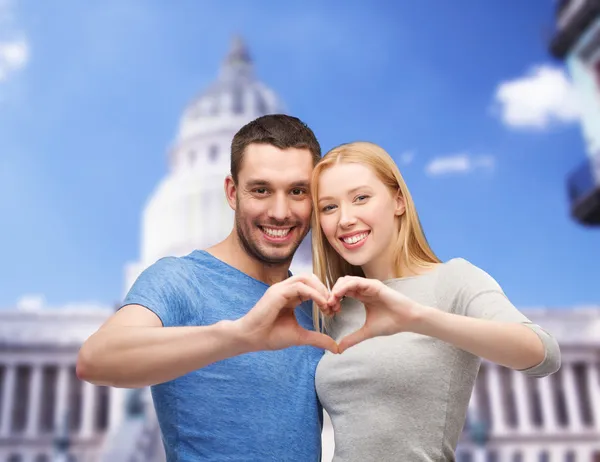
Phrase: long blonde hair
[412,248]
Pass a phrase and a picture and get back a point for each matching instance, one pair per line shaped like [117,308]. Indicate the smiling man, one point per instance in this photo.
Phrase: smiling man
[211,332]
[270,198]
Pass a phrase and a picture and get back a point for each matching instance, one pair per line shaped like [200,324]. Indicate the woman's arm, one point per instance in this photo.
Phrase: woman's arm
[471,312]
[483,321]
[509,344]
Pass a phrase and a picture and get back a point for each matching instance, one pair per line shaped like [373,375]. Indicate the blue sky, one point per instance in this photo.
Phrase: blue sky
[463,94]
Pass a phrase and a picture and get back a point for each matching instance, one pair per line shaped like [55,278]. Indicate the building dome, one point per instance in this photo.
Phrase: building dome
[236,92]
[188,209]
[232,100]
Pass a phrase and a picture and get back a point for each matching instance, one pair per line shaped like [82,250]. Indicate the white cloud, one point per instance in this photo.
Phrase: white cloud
[540,98]
[14,47]
[14,55]
[31,302]
[462,163]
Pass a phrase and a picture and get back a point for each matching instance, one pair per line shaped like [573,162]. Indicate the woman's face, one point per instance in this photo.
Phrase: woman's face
[359,217]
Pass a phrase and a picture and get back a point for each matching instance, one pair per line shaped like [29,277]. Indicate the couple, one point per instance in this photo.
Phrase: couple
[241,355]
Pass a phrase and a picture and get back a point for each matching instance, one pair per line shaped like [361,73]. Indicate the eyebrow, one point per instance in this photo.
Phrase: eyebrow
[353,190]
[257,182]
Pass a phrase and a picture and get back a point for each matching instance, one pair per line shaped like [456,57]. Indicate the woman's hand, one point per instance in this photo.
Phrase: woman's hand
[388,312]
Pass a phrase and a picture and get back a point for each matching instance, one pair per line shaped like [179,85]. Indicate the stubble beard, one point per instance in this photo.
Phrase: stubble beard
[253,249]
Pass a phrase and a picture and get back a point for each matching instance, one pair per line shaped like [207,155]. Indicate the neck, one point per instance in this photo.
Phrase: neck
[384,269]
[232,252]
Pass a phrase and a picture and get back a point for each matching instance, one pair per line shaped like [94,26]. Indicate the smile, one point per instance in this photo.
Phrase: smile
[276,234]
[354,240]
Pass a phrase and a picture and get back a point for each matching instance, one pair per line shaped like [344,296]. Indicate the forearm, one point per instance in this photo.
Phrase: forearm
[133,357]
[512,345]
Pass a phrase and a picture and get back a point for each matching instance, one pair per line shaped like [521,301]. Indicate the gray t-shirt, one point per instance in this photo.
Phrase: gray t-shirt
[404,397]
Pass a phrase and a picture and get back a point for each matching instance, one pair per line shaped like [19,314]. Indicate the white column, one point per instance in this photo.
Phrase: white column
[35,395]
[116,404]
[549,420]
[62,394]
[571,398]
[522,398]
[8,394]
[495,393]
[593,385]
[88,409]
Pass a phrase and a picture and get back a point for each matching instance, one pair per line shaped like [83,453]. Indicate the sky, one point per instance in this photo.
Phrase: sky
[481,120]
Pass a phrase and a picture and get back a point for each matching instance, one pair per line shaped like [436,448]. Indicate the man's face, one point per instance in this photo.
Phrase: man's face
[271,201]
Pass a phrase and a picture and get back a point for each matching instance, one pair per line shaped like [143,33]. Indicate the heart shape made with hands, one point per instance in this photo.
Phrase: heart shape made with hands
[388,312]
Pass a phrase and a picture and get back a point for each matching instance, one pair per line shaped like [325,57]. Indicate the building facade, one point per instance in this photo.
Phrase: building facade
[45,411]
[46,414]
[515,418]
[43,406]
[576,41]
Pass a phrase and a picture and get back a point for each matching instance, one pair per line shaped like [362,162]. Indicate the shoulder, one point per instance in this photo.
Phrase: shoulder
[461,280]
[186,268]
[167,265]
[168,287]
[166,271]
[167,276]
[462,273]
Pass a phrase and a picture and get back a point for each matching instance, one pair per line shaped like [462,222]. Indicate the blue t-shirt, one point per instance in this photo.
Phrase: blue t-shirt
[259,406]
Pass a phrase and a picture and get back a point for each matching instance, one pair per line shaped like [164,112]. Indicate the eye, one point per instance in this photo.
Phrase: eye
[298,192]
[362,197]
[327,208]
[260,191]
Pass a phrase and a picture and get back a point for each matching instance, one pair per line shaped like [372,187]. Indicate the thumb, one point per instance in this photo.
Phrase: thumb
[353,339]
[319,340]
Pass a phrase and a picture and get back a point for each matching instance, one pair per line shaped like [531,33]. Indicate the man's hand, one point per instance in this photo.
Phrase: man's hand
[272,324]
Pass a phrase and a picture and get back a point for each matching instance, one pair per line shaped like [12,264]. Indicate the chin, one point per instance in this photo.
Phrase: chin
[277,255]
[354,260]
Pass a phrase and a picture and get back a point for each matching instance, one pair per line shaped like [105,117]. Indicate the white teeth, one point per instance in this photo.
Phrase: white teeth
[356,238]
[276,232]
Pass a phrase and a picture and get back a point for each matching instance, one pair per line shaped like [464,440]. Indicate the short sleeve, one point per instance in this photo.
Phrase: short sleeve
[480,296]
[158,288]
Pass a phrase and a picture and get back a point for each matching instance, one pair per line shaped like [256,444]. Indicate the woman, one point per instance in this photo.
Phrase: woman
[411,329]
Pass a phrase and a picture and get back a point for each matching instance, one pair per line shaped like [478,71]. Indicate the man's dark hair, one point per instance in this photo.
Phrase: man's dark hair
[279,130]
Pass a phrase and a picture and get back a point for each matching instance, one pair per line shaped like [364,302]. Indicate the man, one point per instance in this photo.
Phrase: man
[211,332]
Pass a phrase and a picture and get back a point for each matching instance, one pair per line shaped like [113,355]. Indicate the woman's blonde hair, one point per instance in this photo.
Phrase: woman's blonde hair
[412,248]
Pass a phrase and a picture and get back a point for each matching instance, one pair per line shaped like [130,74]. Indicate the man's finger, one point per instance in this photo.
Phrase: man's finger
[352,339]
[318,340]
[317,284]
[304,292]
[313,281]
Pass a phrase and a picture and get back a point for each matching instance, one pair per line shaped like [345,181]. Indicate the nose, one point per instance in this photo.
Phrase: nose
[347,220]
[279,209]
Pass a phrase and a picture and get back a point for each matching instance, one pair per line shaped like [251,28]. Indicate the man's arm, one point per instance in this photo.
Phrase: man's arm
[132,349]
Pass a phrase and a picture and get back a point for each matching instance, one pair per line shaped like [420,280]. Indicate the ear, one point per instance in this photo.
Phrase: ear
[400,205]
[231,192]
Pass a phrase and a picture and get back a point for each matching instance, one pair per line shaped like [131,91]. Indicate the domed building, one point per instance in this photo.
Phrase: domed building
[188,209]
[47,415]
